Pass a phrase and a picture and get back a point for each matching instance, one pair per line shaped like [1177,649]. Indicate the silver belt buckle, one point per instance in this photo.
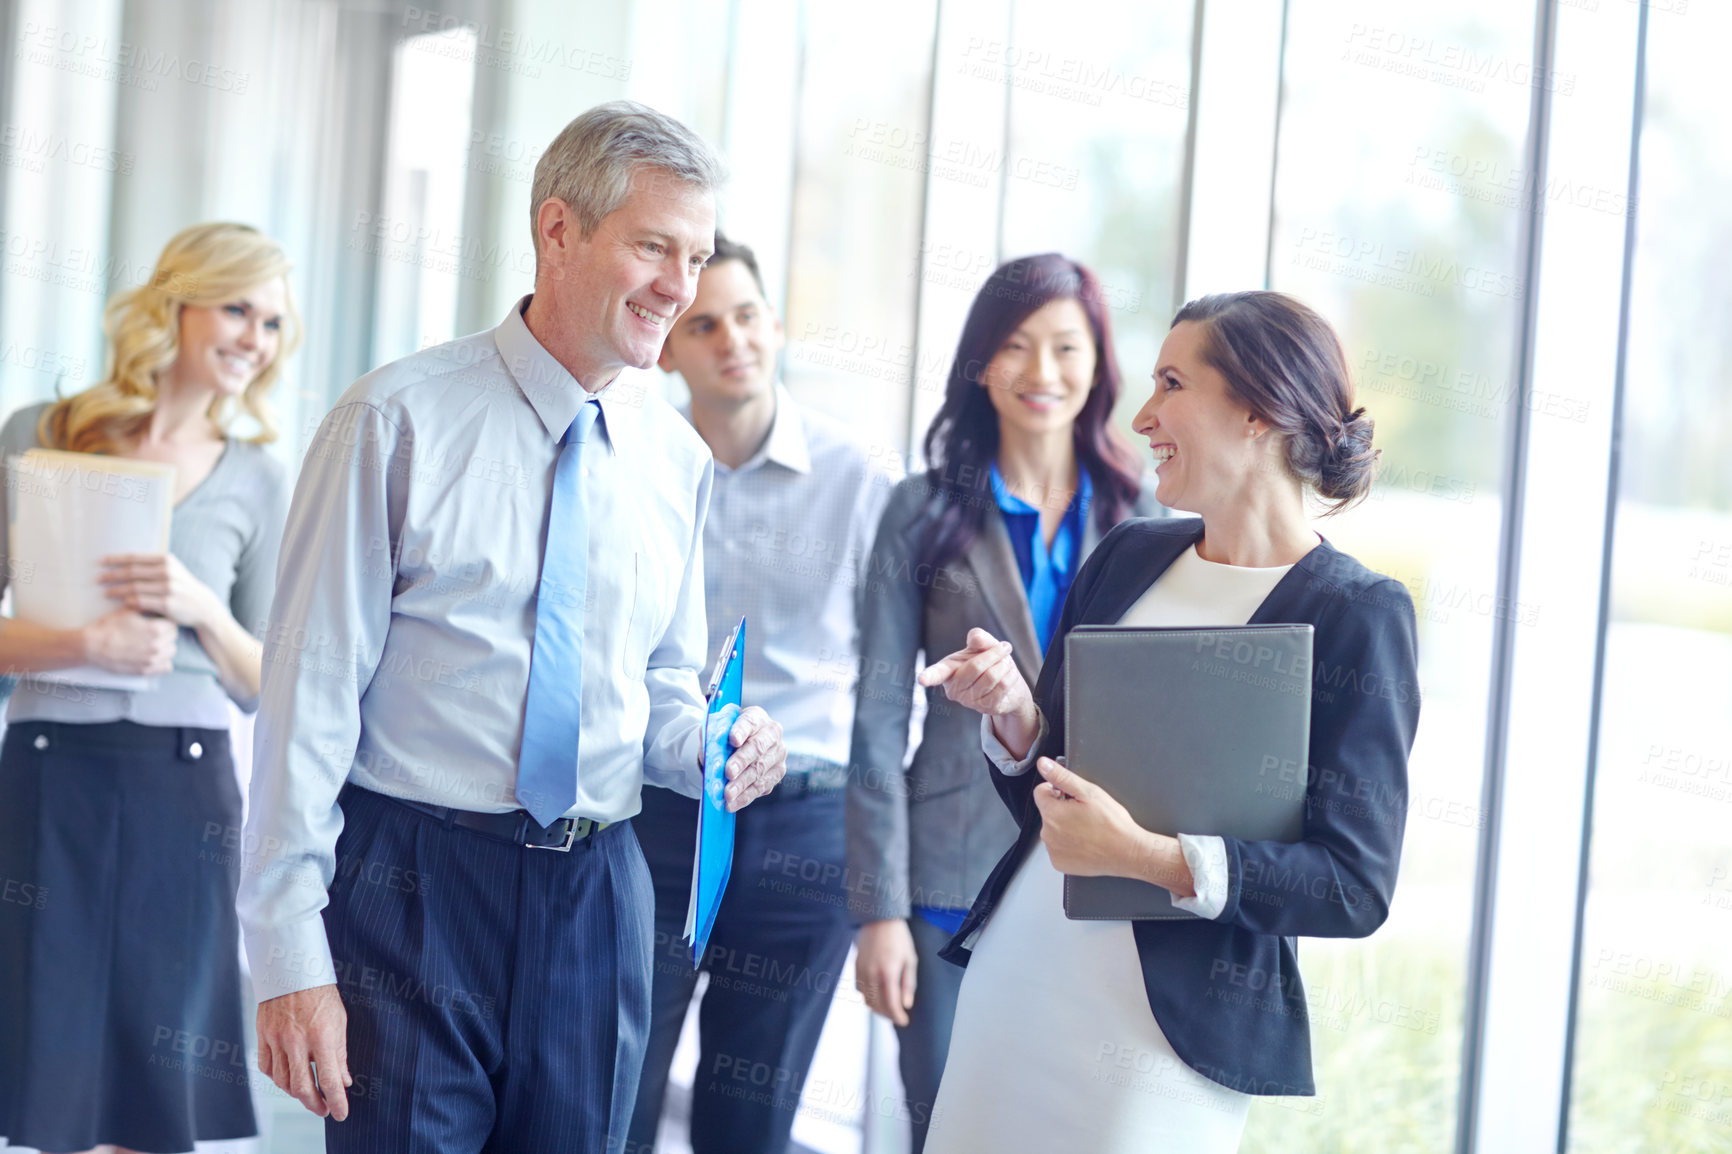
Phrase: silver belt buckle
[570,836]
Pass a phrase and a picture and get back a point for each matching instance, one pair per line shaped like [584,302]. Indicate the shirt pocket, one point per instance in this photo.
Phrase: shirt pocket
[643,619]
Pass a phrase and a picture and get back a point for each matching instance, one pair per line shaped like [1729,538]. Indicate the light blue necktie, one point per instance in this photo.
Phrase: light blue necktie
[547,763]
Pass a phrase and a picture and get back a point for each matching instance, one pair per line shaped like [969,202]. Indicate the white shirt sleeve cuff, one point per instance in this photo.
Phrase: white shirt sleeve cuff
[284,959]
[1207,858]
[1001,757]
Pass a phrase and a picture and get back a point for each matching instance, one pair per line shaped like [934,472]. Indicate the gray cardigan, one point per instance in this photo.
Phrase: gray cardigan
[927,833]
[226,532]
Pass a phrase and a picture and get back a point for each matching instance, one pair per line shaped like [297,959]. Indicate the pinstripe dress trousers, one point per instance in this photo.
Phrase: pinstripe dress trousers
[498,996]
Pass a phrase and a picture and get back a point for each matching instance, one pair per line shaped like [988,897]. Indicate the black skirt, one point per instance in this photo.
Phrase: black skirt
[120,993]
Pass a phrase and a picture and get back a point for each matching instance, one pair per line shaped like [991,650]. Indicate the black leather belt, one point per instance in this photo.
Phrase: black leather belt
[806,777]
[516,827]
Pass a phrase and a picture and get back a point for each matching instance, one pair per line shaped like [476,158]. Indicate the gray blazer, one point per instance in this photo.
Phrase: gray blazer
[929,832]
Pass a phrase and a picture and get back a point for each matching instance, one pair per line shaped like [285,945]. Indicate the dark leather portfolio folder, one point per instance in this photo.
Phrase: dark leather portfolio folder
[1193,730]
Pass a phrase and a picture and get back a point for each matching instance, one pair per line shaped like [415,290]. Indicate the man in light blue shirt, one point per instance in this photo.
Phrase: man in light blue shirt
[487,634]
[792,513]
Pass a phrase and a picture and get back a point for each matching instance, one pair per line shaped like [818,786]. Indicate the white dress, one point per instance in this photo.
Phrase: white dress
[1054,1047]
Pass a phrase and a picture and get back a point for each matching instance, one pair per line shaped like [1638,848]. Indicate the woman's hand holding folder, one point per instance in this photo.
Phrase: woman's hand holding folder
[159,584]
[126,641]
[1089,834]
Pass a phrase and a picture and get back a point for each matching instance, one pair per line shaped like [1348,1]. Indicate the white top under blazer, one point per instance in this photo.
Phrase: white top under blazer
[1054,1045]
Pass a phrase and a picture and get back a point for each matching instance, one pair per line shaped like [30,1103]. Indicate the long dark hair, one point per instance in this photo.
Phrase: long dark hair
[962,443]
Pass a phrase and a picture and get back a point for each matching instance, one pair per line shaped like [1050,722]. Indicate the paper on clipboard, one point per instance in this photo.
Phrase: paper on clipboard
[68,511]
[714,859]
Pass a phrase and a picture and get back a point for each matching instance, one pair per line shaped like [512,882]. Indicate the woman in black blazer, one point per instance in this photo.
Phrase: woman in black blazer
[1252,406]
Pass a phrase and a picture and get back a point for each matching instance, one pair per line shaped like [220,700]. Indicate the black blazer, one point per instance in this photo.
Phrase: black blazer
[1226,992]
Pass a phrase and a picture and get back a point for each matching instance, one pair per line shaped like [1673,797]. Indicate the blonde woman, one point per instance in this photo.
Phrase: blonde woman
[120,1001]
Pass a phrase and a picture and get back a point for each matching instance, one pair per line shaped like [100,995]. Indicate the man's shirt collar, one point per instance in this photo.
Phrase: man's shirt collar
[787,445]
[555,394]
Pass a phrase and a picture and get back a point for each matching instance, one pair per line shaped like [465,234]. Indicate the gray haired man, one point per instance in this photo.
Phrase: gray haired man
[487,635]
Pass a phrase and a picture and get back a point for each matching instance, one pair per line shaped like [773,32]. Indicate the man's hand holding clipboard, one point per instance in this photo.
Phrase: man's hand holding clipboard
[757,759]
[743,759]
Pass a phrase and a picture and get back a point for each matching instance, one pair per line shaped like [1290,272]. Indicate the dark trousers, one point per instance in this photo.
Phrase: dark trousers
[498,996]
[774,958]
[925,1041]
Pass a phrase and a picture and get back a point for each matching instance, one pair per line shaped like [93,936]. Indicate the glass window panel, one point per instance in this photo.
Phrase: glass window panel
[1099,102]
[686,73]
[419,241]
[1399,193]
[56,267]
[1653,1054]
[860,181]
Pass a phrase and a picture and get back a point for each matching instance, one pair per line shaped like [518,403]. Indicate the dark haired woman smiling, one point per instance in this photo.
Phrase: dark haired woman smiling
[1026,475]
[1122,1036]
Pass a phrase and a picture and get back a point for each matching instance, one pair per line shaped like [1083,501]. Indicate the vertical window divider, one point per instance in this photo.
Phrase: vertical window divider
[794,127]
[912,429]
[1275,151]
[1542,688]
[998,254]
[1188,174]
[1614,463]
[1503,626]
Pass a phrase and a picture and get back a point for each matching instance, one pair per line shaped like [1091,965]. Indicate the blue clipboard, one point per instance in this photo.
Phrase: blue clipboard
[714,858]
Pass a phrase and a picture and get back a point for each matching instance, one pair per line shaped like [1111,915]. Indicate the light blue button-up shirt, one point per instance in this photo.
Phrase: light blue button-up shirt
[786,545]
[397,654]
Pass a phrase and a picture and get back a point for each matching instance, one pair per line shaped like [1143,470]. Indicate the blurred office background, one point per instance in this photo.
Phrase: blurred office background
[1515,215]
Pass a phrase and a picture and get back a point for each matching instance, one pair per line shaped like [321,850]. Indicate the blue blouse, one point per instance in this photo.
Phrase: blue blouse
[1047,571]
